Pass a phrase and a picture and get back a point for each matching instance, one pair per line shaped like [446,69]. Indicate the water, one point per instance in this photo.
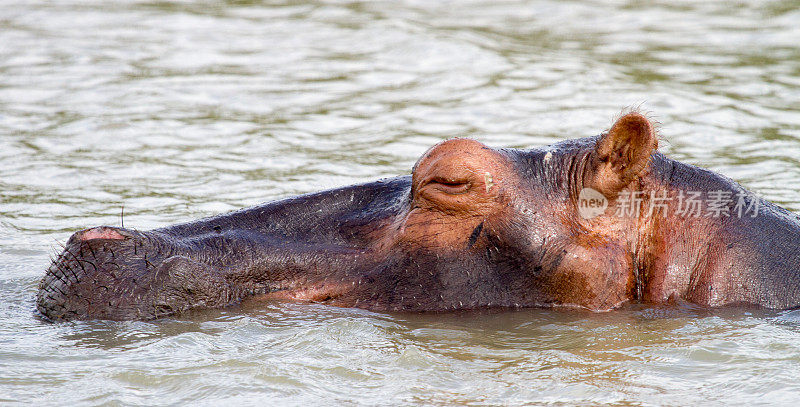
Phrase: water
[178,110]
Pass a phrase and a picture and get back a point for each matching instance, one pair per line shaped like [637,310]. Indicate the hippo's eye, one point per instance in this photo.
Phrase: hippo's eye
[450,185]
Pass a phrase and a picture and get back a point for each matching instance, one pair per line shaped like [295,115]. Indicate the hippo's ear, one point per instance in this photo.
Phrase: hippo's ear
[622,154]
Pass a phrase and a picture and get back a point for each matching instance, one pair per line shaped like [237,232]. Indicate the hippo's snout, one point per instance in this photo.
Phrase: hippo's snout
[113,273]
[102,232]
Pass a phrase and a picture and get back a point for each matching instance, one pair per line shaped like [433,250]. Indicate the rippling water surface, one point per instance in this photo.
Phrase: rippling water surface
[178,110]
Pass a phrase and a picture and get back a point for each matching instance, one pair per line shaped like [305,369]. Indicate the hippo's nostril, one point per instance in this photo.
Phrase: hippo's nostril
[101,232]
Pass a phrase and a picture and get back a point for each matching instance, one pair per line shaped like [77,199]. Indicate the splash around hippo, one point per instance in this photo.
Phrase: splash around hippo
[472,227]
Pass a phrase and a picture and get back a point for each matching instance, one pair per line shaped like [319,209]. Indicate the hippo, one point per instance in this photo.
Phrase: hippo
[592,223]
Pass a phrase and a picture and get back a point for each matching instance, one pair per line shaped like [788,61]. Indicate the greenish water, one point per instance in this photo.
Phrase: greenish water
[188,109]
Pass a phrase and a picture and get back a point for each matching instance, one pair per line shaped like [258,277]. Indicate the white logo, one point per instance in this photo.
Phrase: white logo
[591,203]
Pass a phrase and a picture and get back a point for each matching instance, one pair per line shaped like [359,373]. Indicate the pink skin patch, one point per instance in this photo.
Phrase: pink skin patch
[101,233]
[319,293]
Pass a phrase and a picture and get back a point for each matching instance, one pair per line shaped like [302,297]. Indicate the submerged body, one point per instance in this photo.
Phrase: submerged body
[472,227]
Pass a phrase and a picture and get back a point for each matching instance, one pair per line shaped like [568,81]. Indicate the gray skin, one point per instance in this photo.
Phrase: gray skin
[450,237]
[216,261]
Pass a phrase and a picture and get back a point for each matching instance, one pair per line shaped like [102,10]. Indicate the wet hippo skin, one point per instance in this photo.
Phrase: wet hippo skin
[472,227]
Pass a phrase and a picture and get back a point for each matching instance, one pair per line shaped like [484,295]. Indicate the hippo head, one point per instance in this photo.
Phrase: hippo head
[472,227]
